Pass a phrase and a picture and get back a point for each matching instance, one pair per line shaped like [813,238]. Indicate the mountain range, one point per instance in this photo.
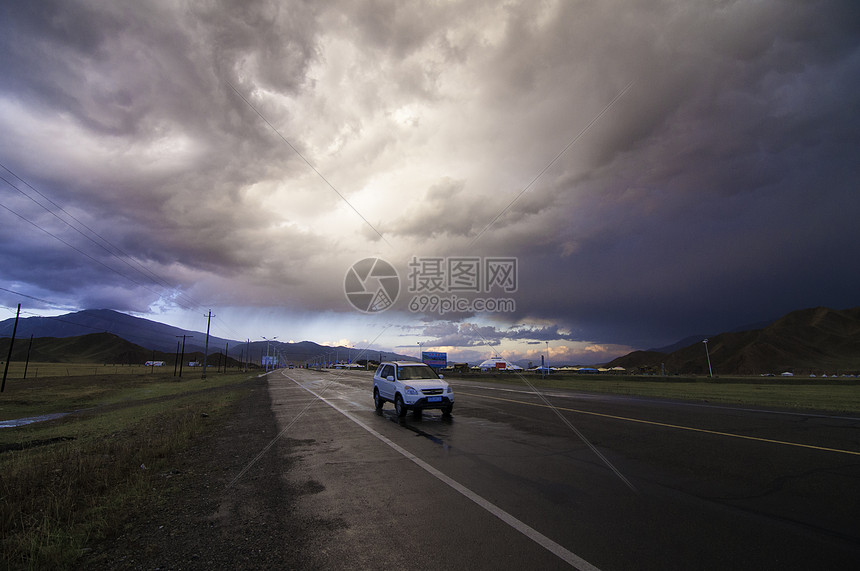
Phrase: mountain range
[104,335]
[144,332]
[818,340]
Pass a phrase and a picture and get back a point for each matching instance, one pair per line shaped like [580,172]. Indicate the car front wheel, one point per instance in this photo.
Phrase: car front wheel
[378,401]
[399,407]
[447,410]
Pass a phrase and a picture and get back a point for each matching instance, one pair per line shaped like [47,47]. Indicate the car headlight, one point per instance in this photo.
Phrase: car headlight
[448,390]
[410,391]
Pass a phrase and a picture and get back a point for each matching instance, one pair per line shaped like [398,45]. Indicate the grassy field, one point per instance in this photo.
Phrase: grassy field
[70,480]
[833,394]
[36,370]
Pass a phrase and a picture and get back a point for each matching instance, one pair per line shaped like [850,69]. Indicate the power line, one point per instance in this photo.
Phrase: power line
[25,295]
[37,226]
[78,250]
[151,275]
[113,325]
[307,162]
[106,245]
[141,269]
[228,328]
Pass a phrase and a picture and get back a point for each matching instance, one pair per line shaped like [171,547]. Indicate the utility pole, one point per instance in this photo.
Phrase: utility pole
[206,345]
[182,357]
[176,360]
[11,343]
[27,362]
[708,355]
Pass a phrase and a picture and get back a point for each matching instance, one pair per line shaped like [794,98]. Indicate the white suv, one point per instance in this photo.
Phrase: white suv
[411,386]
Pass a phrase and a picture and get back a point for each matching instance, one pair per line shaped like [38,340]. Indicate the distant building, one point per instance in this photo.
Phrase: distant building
[498,364]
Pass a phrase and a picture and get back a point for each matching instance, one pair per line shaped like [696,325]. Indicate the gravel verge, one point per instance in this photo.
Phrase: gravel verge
[198,520]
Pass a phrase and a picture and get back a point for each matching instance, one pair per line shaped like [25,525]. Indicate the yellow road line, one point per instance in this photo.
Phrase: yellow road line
[665,425]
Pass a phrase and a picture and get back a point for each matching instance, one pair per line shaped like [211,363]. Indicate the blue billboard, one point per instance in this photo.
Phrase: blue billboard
[435,359]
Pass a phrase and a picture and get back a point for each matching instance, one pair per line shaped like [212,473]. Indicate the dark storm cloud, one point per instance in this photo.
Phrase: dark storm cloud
[147,90]
[710,179]
[717,193]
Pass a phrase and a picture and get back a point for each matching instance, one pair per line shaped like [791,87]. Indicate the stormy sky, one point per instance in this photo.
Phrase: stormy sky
[657,169]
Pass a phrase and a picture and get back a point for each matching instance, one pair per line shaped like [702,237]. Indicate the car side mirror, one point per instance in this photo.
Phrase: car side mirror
[390,378]
[441,376]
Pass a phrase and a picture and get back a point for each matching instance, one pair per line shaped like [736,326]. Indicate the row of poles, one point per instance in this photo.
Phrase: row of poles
[11,343]
[179,360]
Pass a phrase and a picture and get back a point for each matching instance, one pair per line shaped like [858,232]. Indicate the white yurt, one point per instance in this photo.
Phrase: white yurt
[498,364]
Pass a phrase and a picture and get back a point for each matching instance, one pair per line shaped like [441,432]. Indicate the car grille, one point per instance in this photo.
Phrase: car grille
[432,391]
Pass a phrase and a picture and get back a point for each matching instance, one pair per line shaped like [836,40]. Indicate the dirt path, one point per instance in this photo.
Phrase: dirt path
[195,521]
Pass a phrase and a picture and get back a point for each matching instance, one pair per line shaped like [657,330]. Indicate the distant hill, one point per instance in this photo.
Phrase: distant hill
[687,341]
[100,348]
[143,332]
[639,360]
[147,336]
[817,340]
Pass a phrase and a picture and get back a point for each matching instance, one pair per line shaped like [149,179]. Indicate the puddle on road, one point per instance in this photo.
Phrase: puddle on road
[30,420]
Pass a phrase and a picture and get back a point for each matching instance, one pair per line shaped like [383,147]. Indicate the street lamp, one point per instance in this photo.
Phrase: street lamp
[710,371]
[547,357]
[267,350]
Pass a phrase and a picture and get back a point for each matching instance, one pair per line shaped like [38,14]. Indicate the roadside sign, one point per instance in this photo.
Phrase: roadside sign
[435,359]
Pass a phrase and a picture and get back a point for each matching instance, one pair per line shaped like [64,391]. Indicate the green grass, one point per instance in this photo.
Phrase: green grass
[62,393]
[68,481]
[795,393]
[39,370]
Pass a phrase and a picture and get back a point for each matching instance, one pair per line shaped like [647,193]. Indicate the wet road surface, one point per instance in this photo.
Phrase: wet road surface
[565,480]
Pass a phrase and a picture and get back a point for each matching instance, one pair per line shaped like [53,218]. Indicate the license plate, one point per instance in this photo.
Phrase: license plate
[434,399]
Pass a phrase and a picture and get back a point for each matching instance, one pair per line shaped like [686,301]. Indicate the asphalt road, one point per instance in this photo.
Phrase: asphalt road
[516,480]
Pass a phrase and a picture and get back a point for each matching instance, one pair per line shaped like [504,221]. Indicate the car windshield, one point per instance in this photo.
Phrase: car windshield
[412,372]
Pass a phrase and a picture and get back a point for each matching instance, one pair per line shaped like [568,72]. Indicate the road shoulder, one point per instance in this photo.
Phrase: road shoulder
[197,520]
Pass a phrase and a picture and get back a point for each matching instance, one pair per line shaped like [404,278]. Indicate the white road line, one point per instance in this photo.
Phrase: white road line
[581,396]
[545,542]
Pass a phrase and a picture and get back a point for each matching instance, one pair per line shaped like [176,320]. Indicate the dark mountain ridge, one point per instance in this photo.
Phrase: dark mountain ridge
[148,336]
[101,348]
[817,340]
[137,330]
